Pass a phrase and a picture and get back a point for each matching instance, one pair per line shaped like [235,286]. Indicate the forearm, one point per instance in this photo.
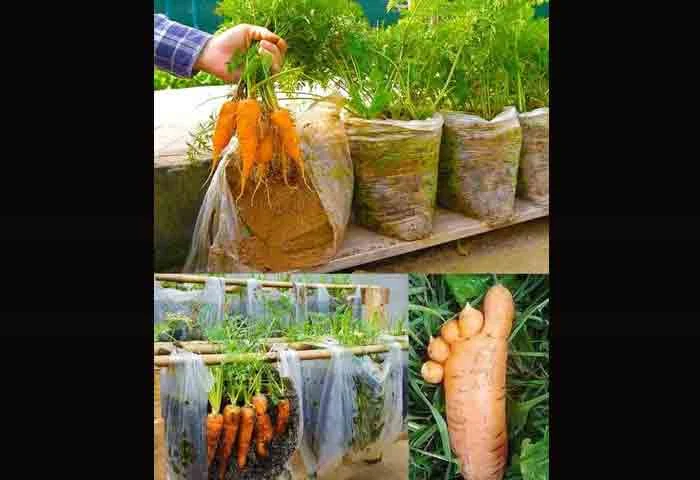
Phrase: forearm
[176,47]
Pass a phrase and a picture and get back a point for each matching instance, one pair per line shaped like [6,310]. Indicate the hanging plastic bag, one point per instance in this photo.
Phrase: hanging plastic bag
[381,396]
[533,176]
[184,391]
[329,410]
[280,228]
[479,165]
[320,301]
[396,168]
[188,314]
[301,302]
[254,304]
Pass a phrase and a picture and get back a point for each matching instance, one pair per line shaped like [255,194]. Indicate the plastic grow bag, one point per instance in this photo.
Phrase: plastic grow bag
[281,448]
[199,309]
[280,228]
[396,168]
[479,165]
[329,409]
[533,176]
[184,395]
[381,398]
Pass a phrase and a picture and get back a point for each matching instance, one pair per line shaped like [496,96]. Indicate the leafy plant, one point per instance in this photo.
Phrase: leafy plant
[436,298]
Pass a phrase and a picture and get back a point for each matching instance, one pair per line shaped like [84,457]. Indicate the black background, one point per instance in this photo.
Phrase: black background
[76,234]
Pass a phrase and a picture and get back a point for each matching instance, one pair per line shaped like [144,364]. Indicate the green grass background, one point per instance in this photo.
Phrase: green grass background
[437,298]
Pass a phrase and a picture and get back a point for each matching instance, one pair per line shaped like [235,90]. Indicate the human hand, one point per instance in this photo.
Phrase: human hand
[219,50]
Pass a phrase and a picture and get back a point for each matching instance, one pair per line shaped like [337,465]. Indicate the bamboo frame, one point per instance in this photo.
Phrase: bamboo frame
[207,347]
[241,282]
[304,355]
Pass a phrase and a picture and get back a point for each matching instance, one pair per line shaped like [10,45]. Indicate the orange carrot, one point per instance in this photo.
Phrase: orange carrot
[225,127]
[263,431]
[283,408]
[289,139]
[475,384]
[215,423]
[245,434]
[248,119]
[232,415]
[264,157]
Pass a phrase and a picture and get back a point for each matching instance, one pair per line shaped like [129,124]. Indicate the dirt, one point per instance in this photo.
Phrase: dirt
[521,248]
[288,230]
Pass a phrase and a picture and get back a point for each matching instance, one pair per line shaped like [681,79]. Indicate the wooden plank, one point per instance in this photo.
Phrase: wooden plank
[364,246]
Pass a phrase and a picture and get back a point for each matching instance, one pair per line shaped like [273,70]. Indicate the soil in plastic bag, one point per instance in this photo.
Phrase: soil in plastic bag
[479,165]
[280,449]
[283,228]
[533,177]
[396,168]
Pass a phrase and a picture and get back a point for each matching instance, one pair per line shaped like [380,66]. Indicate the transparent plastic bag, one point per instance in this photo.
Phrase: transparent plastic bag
[396,169]
[479,165]
[190,312]
[381,397]
[321,301]
[184,393]
[533,175]
[280,228]
[301,302]
[329,410]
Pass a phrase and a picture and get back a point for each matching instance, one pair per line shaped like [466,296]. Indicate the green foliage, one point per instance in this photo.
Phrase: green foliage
[436,298]
[164,80]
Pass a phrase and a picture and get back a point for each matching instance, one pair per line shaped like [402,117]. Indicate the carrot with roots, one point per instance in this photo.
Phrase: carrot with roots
[263,430]
[248,115]
[289,140]
[264,158]
[224,130]
[215,421]
[283,410]
[232,418]
[245,435]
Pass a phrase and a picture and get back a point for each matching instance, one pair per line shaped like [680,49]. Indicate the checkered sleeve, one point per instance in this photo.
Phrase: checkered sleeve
[176,46]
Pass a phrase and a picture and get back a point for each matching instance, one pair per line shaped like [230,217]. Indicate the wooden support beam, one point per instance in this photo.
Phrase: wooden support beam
[218,359]
[242,282]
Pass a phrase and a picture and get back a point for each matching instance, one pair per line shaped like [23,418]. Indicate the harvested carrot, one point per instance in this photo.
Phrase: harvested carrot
[248,120]
[263,430]
[475,384]
[283,410]
[224,130]
[289,140]
[264,157]
[215,423]
[232,416]
[245,435]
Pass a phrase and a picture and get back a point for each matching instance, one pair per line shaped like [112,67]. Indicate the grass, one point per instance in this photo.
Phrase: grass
[436,298]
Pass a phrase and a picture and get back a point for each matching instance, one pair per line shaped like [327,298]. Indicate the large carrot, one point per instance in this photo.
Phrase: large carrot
[248,120]
[245,435]
[283,409]
[475,385]
[263,430]
[289,140]
[224,130]
[232,415]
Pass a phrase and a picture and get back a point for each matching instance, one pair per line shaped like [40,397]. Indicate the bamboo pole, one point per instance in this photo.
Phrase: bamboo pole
[218,359]
[186,278]
[205,347]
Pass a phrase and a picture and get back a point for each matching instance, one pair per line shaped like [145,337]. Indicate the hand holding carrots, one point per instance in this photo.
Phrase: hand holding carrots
[218,51]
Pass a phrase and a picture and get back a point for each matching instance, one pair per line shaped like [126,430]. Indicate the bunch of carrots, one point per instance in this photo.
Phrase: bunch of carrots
[247,424]
[266,132]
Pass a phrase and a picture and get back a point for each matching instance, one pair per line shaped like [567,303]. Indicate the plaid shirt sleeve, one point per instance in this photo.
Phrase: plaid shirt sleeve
[176,46]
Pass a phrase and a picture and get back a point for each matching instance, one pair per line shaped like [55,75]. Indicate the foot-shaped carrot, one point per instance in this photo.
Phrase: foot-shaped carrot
[470,357]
